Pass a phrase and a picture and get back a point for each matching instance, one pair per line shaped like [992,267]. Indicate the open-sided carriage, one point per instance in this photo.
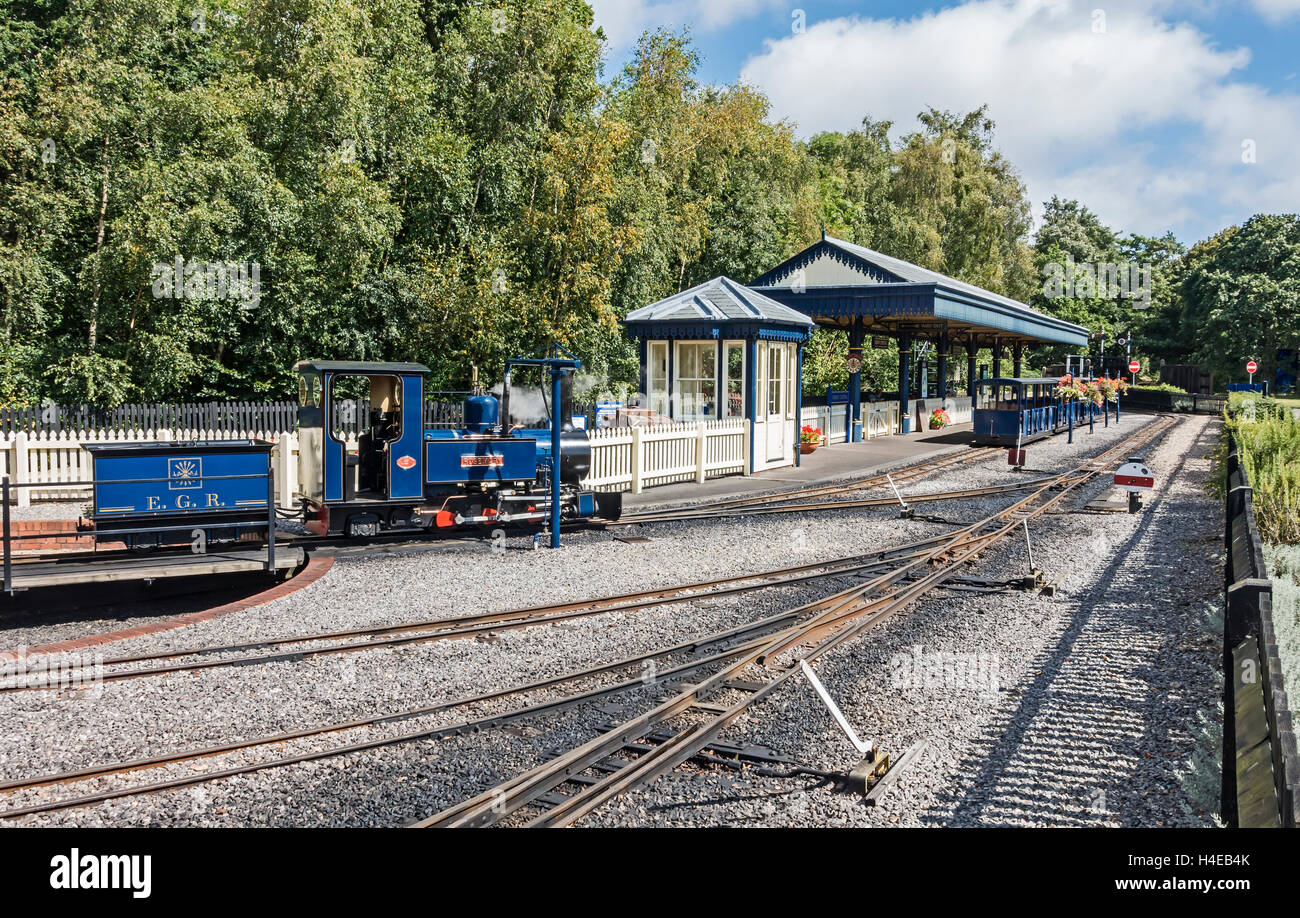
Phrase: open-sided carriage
[1010,411]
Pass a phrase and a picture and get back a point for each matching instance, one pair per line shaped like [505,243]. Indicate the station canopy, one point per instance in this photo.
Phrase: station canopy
[843,285]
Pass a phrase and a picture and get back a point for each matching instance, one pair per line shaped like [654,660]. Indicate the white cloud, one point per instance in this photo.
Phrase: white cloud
[1276,10]
[1141,121]
[625,20]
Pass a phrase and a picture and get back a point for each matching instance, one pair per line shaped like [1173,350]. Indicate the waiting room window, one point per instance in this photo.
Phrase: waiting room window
[734,363]
[658,371]
[697,380]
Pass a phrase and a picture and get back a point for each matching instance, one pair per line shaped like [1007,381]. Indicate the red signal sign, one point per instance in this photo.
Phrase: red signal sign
[1134,476]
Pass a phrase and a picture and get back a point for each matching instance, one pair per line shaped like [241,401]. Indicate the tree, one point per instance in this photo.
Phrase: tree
[1241,292]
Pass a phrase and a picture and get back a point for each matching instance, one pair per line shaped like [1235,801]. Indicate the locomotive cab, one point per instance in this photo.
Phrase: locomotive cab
[358,458]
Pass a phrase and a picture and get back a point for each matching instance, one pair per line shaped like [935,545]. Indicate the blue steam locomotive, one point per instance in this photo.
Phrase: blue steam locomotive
[405,476]
[399,475]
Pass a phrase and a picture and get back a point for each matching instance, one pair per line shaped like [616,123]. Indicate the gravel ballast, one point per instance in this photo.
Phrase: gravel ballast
[1109,667]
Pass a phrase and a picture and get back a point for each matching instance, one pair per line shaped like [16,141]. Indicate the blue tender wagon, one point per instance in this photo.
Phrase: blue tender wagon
[220,486]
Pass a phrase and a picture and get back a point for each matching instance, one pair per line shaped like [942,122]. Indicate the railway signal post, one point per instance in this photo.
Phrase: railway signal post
[1134,477]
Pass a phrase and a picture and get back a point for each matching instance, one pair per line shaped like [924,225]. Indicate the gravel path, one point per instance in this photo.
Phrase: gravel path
[44,732]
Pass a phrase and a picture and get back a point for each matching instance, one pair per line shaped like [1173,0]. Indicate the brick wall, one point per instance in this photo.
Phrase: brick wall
[50,541]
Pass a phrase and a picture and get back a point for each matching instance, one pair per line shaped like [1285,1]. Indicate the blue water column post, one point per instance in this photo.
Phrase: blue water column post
[557,423]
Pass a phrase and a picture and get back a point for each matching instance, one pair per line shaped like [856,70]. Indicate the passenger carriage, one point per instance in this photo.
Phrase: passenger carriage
[1011,411]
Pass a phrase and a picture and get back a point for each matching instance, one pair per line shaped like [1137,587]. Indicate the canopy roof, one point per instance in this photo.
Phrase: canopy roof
[840,284]
[719,306]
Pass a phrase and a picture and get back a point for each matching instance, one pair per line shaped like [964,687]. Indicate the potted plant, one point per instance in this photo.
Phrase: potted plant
[939,419]
[809,439]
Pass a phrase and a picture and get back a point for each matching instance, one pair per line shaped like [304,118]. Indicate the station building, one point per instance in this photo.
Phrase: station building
[721,350]
[727,350]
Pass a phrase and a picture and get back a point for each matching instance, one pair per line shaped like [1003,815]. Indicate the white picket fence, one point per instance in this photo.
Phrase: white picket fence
[622,458]
[633,458]
[880,419]
[54,459]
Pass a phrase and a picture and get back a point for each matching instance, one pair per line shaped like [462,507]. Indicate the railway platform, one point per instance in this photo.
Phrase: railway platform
[828,465]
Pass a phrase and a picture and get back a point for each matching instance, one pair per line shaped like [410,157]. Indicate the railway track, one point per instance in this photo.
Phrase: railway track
[468,626]
[402,634]
[600,769]
[903,573]
[774,503]
[717,648]
[729,643]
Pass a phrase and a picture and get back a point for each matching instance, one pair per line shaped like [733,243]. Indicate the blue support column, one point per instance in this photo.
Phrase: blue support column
[798,403]
[855,387]
[1017,350]
[997,358]
[971,349]
[904,384]
[943,367]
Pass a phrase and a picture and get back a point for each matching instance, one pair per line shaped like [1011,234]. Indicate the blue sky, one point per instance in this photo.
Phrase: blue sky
[1158,115]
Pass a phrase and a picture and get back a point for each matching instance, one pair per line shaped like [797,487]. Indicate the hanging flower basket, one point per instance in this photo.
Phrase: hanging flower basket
[939,419]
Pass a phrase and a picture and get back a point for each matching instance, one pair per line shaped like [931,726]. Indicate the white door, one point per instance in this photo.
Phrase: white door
[774,399]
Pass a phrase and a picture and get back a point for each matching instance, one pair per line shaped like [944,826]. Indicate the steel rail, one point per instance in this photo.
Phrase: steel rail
[904,473]
[961,494]
[491,806]
[680,748]
[460,627]
[472,726]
